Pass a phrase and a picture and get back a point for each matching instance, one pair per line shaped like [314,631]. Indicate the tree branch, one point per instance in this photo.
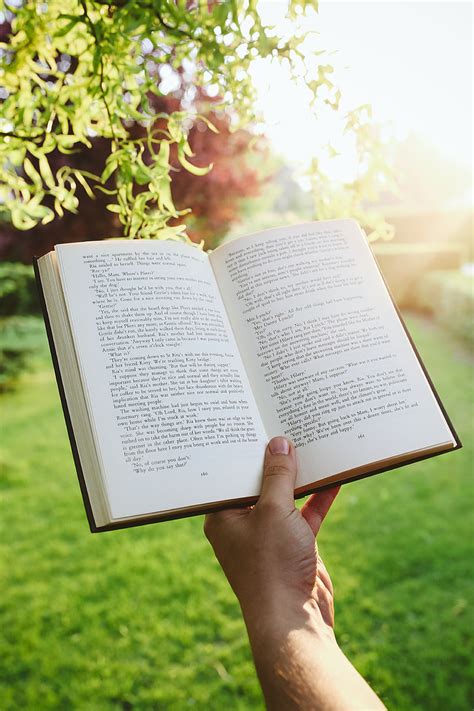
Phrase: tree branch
[101,66]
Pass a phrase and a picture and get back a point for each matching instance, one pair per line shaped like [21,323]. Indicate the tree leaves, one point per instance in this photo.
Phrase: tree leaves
[73,70]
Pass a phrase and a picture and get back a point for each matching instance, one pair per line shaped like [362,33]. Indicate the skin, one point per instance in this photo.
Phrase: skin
[269,555]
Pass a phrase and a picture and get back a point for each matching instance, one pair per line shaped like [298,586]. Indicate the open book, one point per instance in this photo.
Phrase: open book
[176,367]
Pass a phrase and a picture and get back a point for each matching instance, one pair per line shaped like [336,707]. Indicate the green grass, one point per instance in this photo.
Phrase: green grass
[143,618]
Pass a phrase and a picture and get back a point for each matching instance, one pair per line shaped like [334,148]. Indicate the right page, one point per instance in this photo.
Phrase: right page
[327,356]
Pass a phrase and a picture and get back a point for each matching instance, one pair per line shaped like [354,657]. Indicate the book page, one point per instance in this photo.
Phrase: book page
[173,414]
[326,354]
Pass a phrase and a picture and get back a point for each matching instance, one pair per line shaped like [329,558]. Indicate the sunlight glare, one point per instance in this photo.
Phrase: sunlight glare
[410,60]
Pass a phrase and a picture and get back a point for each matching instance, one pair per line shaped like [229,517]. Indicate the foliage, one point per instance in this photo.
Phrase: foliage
[215,198]
[404,265]
[21,334]
[449,297]
[21,341]
[374,176]
[74,70]
[18,292]
[144,619]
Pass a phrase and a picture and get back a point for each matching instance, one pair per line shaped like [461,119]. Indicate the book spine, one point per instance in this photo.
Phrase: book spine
[62,395]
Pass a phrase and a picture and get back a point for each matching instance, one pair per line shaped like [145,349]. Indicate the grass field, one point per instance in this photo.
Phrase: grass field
[143,619]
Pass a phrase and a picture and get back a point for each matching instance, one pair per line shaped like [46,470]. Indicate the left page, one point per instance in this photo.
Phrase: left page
[173,416]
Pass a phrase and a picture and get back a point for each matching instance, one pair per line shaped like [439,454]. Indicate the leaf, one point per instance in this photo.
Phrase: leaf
[58,208]
[110,168]
[31,172]
[193,169]
[165,199]
[96,60]
[72,78]
[163,157]
[84,183]
[220,12]
[141,173]
[208,123]
[235,11]
[49,217]
[39,212]
[106,191]
[65,16]
[171,232]
[45,171]
[20,218]
[70,202]
[66,141]
[67,28]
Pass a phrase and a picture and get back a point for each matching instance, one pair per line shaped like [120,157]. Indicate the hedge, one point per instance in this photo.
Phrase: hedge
[21,332]
[18,293]
[404,266]
[449,297]
[22,340]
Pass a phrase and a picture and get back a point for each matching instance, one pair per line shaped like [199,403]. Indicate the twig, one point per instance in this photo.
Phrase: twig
[101,67]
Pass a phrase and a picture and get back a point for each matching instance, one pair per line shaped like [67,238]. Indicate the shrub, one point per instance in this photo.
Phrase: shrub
[21,338]
[449,297]
[404,266]
[18,294]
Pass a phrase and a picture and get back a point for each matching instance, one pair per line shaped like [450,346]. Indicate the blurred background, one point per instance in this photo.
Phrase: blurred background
[143,619]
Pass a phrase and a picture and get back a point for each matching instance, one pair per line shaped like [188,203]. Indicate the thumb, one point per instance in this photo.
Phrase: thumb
[279,473]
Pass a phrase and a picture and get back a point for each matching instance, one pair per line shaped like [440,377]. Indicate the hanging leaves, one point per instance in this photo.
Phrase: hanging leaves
[75,70]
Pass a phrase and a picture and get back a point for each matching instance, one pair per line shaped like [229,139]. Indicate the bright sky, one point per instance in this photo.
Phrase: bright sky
[411,60]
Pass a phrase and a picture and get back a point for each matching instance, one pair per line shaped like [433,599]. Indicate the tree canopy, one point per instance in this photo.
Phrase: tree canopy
[74,71]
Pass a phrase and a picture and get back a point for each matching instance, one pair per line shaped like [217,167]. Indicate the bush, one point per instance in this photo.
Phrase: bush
[449,297]
[21,338]
[18,293]
[404,266]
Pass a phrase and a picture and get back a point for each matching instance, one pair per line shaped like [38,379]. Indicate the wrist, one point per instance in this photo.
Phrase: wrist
[292,647]
[273,625]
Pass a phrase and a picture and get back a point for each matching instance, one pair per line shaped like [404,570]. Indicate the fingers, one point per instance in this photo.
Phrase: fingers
[317,506]
[323,575]
[325,602]
[279,473]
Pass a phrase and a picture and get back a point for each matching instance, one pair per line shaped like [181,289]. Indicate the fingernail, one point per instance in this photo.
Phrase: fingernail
[279,445]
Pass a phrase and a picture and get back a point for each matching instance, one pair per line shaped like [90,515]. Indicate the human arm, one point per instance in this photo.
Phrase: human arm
[269,556]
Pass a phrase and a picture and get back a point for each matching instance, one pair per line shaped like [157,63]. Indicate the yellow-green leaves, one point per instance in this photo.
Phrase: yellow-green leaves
[194,169]
[76,70]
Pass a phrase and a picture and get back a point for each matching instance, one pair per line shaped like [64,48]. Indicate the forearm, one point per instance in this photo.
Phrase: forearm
[300,665]
[268,554]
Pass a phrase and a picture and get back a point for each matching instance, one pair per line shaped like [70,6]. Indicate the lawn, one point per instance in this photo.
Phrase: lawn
[143,618]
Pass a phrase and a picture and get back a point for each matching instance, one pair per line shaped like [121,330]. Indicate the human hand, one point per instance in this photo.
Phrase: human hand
[268,552]
[269,556]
